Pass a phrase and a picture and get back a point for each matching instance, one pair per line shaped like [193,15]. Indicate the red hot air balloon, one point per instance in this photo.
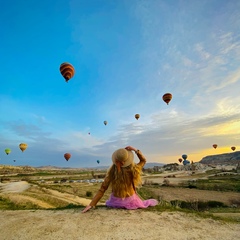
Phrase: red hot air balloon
[233,148]
[215,145]
[167,97]
[67,71]
[180,160]
[67,156]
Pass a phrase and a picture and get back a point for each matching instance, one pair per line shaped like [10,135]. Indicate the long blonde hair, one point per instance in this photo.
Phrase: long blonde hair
[121,180]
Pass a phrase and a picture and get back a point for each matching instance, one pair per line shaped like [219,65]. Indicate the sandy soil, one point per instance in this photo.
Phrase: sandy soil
[186,194]
[69,197]
[103,223]
[18,187]
[14,187]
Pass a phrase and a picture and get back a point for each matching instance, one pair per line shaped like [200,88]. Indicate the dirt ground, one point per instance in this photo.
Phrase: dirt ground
[102,223]
[105,223]
[186,194]
[13,191]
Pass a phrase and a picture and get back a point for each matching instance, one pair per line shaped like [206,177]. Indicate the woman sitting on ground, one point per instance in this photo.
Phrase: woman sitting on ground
[123,176]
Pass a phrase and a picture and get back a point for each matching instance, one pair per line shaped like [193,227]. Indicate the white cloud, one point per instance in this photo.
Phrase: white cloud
[79,140]
[204,55]
[40,119]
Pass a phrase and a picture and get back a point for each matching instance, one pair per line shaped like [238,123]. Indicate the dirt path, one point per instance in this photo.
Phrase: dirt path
[69,197]
[14,187]
[103,223]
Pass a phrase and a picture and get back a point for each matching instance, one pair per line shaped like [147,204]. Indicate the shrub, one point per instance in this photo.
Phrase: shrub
[235,202]
[215,204]
[89,194]
[166,182]
[196,205]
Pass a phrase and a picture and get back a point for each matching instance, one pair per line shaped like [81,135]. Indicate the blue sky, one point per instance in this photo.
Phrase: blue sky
[126,55]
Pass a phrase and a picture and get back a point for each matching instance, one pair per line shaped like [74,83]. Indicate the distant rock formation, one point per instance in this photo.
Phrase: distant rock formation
[226,158]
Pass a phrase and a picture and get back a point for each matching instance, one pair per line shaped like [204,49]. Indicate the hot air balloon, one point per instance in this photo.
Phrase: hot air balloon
[67,71]
[89,133]
[98,161]
[167,97]
[23,146]
[180,160]
[233,148]
[105,122]
[186,162]
[7,151]
[14,160]
[184,156]
[67,156]
[214,145]
[137,116]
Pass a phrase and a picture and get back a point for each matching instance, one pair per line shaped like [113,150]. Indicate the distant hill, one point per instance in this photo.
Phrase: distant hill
[49,167]
[153,164]
[225,158]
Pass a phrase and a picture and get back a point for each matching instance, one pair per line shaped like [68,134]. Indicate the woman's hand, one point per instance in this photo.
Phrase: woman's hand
[130,148]
[86,209]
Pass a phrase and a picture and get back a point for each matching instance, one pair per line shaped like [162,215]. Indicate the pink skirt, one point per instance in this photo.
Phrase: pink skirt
[132,202]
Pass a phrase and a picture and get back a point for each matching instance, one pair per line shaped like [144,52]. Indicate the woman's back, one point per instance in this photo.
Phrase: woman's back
[123,184]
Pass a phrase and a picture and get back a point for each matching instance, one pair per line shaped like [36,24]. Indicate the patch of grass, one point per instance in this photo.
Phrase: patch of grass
[230,183]
[145,193]
[199,206]
[35,174]
[49,199]
[69,206]
[187,206]
[7,204]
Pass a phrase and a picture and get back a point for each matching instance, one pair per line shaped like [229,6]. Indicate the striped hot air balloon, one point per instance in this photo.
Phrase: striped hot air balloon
[167,97]
[67,71]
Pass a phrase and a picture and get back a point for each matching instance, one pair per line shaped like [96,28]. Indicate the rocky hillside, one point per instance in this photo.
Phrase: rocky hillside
[226,158]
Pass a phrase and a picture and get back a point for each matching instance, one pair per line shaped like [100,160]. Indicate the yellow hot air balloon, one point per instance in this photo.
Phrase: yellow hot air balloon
[67,71]
[23,146]
[137,116]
